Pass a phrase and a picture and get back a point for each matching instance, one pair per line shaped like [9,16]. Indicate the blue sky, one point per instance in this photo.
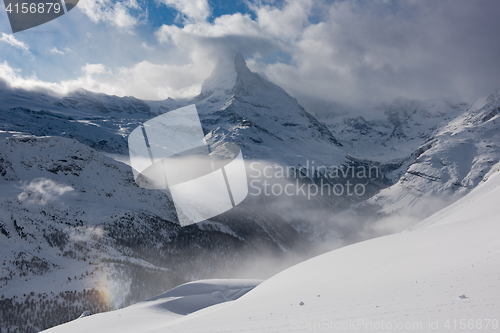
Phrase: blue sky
[351,52]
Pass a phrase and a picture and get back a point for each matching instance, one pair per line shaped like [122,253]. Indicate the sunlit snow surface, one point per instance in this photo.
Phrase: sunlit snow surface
[444,270]
[157,311]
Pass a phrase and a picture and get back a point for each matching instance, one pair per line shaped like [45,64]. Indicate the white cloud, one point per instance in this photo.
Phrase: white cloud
[11,40]
[274,28]
[87,80]
[148,47]
[55,50]
[287,22]
[42,190]
[364,53]
[193,10]
[144,80]
[90,69]
[228,32]
[117,14]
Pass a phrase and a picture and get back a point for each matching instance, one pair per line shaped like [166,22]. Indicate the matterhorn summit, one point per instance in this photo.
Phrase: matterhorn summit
[238,105]
[231,75]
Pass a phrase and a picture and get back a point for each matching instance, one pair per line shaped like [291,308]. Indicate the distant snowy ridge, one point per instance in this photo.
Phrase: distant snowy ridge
[444,151]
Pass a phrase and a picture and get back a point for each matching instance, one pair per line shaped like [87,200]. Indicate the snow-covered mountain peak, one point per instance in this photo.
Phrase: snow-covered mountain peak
[494,96]
[232,78]
[230,71]
[238,105]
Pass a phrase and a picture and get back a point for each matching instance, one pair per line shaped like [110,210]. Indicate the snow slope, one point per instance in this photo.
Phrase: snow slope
[438,277]
[155,312]
[410,278]
[460,210]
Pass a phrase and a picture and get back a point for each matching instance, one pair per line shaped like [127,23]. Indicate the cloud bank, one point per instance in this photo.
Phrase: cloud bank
[354,53]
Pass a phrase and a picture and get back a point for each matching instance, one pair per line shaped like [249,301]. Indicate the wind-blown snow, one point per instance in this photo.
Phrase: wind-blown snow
[157,311]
